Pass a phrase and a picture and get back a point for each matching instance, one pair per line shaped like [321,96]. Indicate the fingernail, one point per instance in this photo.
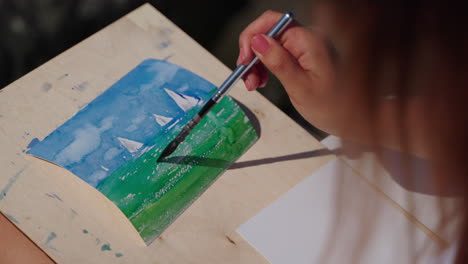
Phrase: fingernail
[241,57]
[260,44]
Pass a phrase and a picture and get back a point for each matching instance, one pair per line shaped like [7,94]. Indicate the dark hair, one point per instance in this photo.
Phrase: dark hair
[423,46]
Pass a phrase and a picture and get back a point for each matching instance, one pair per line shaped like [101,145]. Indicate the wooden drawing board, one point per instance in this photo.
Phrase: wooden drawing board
[71,221]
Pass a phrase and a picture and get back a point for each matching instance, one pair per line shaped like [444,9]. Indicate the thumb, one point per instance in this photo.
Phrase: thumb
[278,60]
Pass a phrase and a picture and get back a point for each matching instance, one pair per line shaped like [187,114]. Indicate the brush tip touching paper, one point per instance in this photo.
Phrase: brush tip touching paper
[171,147]
[169,150]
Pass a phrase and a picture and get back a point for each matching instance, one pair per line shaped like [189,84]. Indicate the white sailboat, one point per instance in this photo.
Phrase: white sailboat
[173,125]
[162,120]
[183,101]
[130,145]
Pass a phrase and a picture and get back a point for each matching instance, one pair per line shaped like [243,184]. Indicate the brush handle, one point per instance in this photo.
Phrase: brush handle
[241,70]
[277,29]
[171,147]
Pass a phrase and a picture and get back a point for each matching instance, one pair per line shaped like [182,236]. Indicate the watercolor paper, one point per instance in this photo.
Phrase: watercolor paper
[114,143]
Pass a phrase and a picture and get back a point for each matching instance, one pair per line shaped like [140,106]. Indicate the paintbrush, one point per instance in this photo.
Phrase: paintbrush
[237,74]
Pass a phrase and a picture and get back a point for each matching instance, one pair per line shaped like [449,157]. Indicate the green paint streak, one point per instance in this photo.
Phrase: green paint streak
[152,195]
[85,231]
[118,255]
[106,247]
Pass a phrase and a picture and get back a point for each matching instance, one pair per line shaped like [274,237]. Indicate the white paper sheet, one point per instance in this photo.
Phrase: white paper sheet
[323,219]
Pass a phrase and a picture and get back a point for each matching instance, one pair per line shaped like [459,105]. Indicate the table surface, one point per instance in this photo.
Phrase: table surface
[33,106]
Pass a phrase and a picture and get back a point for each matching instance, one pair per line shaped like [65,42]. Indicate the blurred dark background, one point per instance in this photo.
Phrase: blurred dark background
[34,31]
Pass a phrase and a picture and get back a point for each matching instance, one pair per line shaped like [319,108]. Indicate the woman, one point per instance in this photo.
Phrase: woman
[387,74]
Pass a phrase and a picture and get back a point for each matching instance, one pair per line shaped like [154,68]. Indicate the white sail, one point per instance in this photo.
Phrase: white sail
[162,120]
[173,125]
[130,145]
[144,150]
[183,101]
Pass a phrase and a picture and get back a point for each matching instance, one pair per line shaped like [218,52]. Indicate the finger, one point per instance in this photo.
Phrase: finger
[252,80]
[279,61]
[260,26]
[259,78]
[256,77]
[310,49]
[263,73]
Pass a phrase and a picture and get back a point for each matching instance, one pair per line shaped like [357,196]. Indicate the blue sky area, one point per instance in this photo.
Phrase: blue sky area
[119,124]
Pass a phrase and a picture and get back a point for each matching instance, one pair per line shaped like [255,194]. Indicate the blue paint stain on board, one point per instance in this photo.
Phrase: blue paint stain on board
[81,87]
[33,142]
[106,247]
[51,237]
[74,213]
[12,219]
[54,196]
[63,76]
[10,183]
[168,57]
[85,231]
[118,255]
[121,124]
[46,86]
[57,197]
[165,32]
[164,44]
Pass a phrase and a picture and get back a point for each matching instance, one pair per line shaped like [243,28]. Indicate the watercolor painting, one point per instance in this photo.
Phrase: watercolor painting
[115,141]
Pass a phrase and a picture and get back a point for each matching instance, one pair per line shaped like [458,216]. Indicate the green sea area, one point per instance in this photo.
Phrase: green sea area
[153,194]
